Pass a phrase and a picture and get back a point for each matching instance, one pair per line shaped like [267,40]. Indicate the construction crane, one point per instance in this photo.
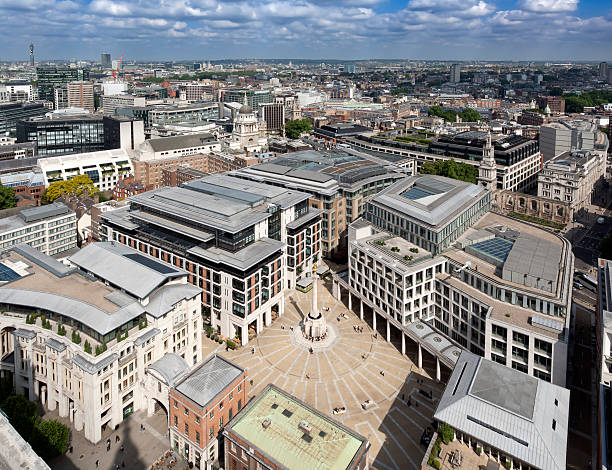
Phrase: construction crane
[116,72]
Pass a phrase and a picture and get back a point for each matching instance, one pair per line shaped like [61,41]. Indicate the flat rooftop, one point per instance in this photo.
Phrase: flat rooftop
[522,416]
[428,199]
[32,215]
[294,435]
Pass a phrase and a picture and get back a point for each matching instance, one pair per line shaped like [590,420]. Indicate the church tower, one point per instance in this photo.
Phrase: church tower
[487,171]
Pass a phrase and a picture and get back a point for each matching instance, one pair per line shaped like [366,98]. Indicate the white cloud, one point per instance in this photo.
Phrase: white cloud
[549,6]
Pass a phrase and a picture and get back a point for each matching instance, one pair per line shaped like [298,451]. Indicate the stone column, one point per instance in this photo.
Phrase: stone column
[388,330]
[350,302]
[420,357]
[244,335]
[403,343]
[374,320]
[438,372]
[361,309]
[314,306]
[268,317]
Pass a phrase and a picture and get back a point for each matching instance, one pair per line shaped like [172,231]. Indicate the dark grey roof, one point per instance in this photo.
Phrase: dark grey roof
[208,380]
[180,142]
[44,261]
[509,410]
[171,367]
[134,272]
[29,334]
[92,367]
[54,344]
[311,214]
[44,212]
[242,259]
[148,335]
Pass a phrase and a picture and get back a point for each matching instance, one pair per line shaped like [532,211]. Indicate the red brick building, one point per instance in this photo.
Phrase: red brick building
[201,404]
[555,103]
[127,187]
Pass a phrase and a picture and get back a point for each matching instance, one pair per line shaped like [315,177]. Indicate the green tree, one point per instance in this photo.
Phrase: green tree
[7,197]
[50,439]
[469,115]
[555,91]
[451,169]
[294,128]
[22,414]
[77,185]
[446,432]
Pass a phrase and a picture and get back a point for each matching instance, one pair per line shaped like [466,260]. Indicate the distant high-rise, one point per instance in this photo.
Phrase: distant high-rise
[105,60]
[81,95]
[603,70]
[31,55]
[50,78]
[455,73]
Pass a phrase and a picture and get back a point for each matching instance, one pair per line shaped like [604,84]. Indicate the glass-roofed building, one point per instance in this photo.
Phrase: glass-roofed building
[429,251]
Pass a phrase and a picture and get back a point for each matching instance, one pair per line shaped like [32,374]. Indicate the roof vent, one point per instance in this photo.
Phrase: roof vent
[304,426]
[266,423]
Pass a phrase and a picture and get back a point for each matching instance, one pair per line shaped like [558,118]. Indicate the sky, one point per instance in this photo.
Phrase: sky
[554,30]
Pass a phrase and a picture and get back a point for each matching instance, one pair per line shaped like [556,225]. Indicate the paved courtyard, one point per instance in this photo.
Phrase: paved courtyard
[346,374]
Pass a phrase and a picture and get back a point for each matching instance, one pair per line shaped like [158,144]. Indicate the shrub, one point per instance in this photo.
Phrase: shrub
[22,414]
[435,452]
[395,249]
[87,347]
[478,450]
[61,330]
[446,433]
[76,337]
[142,323]
[50,439]
[436,464]
[231,344]
[380,242]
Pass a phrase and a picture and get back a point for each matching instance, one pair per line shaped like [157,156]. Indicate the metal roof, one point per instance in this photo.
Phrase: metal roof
[442,200]
[242,259]
[516,413]
[208,380]
[44,261]
[165,299]
[181,142]
[112,262]
[171,367]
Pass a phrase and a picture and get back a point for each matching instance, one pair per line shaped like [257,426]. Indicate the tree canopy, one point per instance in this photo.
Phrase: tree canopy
[577,103]
[467,115]
[7,197]
[51,439]
[294,128]
[22,414]
[451,169]
[77,185]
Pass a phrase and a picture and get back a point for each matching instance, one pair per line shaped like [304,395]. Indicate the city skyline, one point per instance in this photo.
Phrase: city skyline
[314,29]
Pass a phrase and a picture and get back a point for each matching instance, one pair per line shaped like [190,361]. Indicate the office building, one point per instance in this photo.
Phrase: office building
[277,431]
[273,114]
[572,177]
[51,229]
[60,98]
[110,103]
[516,420]
[105,168]
[80,95]
[17,151]
[455,73]
[12,113]
[155,155]
[603,327]
[160,115]
[16,90]
[103,330]
[564,136]
[349,68]
[57,134]
[518,159]
[96,212]
[551,104]
[50,78]
[181,174]
[121,132]
[496,286]
[105,60]
[31,55]
[603,70]
[113,88]
[194,92]
[428,211]
[252,98]
[291,104]
[339,184]
[28,186]
[236,238]
[201,403]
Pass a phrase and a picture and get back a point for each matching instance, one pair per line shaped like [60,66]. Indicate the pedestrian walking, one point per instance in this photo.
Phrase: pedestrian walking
[117,438]
[121,448]
[402,397]
[97,463]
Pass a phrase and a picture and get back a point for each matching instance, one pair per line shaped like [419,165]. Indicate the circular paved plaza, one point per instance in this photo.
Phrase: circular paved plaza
[344,375]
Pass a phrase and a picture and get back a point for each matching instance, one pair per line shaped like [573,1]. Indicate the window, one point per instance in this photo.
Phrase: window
[211,432]
[239,387]
[186,412]
[220,422]
[211,414]
[197,419]
[221,405]
[175,404]
[175,422]
[186,429]
[197,437]
[231,396]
